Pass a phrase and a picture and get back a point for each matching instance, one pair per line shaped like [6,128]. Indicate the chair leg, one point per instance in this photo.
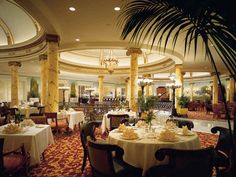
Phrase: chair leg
[84,161]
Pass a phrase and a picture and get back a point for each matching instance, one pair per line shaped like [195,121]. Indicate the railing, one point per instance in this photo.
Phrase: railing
[164,105]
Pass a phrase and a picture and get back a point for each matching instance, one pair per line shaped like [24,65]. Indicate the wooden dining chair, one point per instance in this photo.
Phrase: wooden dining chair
[55,123]
[183,163]
[115,120]
[39,119]
[223,150]
[106,161]
[87,129]
[13,163]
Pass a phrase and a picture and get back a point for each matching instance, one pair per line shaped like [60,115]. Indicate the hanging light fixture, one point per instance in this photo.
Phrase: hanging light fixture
[110,62]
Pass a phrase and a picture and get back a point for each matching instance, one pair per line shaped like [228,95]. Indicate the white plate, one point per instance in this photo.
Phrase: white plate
[181,133]
[167,140]
[128,138]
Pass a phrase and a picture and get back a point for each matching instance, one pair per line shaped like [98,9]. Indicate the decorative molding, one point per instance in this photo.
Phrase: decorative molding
[43,57]
[132,50]
[14,63]
[52,38]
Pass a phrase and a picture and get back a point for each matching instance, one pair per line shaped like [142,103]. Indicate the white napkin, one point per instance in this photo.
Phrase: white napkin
[129,133]
[121,127]
[185,130]
[167,135]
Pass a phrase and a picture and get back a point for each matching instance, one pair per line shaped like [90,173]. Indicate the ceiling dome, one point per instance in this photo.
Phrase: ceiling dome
[16,25]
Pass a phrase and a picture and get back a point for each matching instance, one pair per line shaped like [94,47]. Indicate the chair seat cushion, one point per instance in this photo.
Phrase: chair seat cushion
[13,162]
[60,123]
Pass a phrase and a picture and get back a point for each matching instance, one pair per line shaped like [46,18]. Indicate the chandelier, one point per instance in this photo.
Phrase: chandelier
[110,62]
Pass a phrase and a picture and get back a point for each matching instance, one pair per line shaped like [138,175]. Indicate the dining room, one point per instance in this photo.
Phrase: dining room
[117,88]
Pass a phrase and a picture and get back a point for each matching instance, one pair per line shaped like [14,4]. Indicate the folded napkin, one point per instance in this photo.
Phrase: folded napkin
[64,112]
[71,110]
[167,135]
[129,133]
[121,127]
[185,130]
[27,122]
[141,123]
[170,125]
[12,128]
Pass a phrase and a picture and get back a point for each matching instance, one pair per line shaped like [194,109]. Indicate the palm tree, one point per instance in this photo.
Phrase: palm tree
[200,22]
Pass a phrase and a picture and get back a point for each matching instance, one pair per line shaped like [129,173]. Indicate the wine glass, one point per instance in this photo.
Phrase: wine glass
[131,122]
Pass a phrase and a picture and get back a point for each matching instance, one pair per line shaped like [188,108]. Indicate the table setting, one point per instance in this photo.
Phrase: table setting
[140,142]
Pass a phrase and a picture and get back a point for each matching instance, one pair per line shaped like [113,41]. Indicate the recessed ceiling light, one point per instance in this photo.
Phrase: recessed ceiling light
[77,39]
[72,9]
[117,8]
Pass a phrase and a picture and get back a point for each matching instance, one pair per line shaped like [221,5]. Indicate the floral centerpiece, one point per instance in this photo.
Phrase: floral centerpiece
[146,106]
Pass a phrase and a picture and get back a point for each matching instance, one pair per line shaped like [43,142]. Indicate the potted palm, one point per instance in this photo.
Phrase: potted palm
[206,23]
[183,102]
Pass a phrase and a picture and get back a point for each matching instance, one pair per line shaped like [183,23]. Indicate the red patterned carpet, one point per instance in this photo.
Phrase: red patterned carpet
[64,158]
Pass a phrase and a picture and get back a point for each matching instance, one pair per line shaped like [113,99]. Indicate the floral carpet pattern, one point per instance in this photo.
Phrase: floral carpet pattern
[64,158]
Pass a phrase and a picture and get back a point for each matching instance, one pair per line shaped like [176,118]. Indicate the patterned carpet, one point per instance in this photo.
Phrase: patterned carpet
[203,115]
[64,158]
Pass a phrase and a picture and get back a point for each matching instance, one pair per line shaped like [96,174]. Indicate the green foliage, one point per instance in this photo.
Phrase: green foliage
[183,101]
[147,103]
[34,89]
[72,90]
[150,117]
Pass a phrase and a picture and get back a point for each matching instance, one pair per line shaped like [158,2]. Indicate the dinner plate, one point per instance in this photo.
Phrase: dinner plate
[181,133]
[128,138]
[169,140]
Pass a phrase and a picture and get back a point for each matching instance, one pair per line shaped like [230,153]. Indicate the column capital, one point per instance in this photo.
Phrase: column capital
[127,79]
[147,75]
[14,63]
[183,73]
[214,73]
[133,50]
[43,57]
[52,38]
[101,77]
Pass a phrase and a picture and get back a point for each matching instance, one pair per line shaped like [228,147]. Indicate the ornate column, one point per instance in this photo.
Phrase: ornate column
[134,53]
[53,92]
[191,91]
[215,88]
[147,87]
[14,82]
[179,80]
[100,86]
[44,78]
[231,89]
[127,88]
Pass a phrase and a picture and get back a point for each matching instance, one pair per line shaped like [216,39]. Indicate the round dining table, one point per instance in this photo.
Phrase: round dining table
[140,152]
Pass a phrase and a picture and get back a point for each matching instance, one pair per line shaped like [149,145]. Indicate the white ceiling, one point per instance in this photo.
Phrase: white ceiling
[95,24]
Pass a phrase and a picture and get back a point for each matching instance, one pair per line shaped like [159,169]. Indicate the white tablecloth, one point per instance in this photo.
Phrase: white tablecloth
[35,140]
[141,152]
[74,118]
[106,121]
[29,110]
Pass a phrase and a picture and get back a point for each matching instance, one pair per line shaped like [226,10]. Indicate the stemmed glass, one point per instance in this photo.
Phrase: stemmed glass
[131,122]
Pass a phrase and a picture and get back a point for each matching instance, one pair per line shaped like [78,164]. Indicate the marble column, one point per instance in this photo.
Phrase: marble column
[44,78]
[179,80]
[53,92]
[230,89]
[191,91]
[100,86]
[127,88]
[215,88]
[147,87]
[14,82]
[134,53]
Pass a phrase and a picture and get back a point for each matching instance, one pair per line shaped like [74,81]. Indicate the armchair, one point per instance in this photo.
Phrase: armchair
[13,163]
[106,161]
[183,163]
